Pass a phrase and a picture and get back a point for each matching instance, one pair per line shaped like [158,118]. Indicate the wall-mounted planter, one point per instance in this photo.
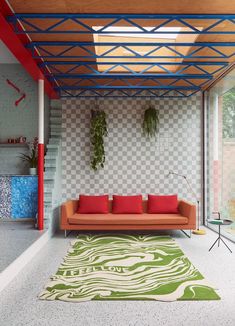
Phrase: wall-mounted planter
[33,171]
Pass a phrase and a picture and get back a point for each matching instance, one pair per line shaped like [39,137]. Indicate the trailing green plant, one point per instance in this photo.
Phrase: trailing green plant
[98,130]
[32,157]
[150,124]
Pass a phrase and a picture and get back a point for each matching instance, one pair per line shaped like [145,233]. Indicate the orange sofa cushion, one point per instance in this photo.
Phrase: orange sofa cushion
[128,219]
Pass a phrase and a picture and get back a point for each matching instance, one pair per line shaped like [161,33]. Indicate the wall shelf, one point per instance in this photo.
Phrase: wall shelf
[13,145]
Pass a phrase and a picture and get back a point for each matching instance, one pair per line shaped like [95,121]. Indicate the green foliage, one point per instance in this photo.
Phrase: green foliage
[229,114]
[98,131]
[31,159]
[151,122]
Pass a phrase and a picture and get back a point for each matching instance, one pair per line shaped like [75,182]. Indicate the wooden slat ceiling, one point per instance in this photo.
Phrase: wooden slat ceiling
[125,6]
[128,7]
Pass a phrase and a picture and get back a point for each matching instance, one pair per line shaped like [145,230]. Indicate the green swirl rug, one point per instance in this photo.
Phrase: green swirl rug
[127,267]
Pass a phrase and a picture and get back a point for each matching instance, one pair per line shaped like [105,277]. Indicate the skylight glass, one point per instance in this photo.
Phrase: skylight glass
[135,34]
[116,29]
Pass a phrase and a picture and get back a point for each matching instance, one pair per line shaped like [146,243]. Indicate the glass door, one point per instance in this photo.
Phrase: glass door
[220,156]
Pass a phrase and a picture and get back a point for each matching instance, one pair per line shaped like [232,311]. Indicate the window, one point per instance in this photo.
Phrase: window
[221,152]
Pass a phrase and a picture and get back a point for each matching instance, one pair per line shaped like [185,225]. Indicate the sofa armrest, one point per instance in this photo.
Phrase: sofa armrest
[188,210]
[68,209]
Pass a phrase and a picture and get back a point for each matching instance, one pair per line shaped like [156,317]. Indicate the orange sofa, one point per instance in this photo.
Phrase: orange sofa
[71,220]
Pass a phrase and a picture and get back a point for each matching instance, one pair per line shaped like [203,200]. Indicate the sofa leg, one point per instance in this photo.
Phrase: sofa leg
[185,233]
[66,233]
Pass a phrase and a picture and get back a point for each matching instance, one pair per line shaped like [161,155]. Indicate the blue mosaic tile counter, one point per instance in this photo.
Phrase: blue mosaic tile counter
[18,196]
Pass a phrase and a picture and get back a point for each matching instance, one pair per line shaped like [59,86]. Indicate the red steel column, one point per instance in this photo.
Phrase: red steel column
[40,154]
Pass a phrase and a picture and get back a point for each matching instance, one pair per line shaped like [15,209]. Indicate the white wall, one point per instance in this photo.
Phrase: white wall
[133,164]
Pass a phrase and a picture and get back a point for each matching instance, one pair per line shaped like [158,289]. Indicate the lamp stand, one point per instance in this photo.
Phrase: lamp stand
[198,231]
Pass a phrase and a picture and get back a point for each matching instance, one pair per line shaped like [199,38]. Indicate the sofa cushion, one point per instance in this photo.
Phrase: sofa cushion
[162,204]
[128,219]
[127,204]
[93,204]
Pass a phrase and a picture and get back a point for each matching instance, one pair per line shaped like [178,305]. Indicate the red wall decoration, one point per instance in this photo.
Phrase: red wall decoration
[23,95]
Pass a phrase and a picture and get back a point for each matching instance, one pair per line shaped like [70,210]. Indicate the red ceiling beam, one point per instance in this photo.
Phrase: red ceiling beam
[17,48]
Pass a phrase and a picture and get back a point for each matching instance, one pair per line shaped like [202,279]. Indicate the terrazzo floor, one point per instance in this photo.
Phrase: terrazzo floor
[19,304]
[15,238]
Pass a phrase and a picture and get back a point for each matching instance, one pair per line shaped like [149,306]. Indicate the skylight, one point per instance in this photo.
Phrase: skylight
[116,29]
[135,34]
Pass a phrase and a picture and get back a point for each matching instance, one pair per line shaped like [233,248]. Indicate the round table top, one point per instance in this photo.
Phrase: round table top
[218,221]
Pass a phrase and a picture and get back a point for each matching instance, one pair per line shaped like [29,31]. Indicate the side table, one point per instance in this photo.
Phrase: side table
[219,222]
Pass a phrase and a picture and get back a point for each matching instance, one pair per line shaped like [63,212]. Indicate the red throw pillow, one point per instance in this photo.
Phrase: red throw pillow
[127,204]
[93,204]
[162,204]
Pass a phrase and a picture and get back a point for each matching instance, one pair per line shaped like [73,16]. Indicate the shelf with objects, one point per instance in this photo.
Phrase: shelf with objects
[13,145]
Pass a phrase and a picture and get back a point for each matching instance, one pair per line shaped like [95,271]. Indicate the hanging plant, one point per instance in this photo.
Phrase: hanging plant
[151,122]
[98,131]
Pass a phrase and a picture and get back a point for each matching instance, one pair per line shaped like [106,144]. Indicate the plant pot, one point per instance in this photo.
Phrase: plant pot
[33,171]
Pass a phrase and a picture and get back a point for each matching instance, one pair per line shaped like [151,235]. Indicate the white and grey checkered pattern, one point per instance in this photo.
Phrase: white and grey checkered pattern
[133,164]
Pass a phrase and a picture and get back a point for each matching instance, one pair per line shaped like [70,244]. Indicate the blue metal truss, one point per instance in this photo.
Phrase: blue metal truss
[83,23]
[92,66]
[74,74]
[126,92]
[103,87]
[132,49]
[137,76]
[110,80]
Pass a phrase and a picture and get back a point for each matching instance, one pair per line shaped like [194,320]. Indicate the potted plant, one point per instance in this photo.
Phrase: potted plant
[151,122]
[98,130]
[32,157]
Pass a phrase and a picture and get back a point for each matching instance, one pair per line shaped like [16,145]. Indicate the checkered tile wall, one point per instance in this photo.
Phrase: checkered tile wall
[133,164]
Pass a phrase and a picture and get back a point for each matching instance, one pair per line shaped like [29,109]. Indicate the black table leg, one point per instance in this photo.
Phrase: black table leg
[218,240]
[214,244]
[226,245]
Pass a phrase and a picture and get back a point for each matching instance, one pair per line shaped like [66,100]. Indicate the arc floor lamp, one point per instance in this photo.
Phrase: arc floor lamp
[198,231]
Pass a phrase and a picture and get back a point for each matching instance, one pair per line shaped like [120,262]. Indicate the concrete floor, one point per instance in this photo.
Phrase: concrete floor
[15,238]
[19,304]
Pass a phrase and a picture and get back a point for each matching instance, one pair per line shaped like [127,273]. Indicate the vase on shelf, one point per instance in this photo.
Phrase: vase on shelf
[33,171]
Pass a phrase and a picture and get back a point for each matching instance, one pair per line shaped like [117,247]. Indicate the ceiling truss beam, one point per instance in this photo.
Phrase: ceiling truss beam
[120,93]
[136,76]
[173,50]
[129,87]
[94,67]
[85,26]
[120,78]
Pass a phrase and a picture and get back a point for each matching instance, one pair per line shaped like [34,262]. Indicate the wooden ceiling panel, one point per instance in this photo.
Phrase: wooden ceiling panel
[62,37]
[36,6]
[216,38]
[125,6]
